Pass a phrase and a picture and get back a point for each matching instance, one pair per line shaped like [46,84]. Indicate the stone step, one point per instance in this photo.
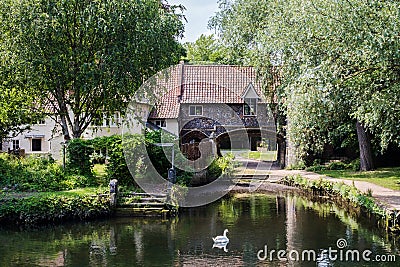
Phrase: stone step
[141,200]
[132,194]
[139,212]
[150,204]
[153,199]
[252,176]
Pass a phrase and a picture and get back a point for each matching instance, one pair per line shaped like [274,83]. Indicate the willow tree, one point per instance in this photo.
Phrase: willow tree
[88,57]
[339,61]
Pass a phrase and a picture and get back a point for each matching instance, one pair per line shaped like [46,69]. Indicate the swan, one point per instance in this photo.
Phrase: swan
[221,246]
[221,238]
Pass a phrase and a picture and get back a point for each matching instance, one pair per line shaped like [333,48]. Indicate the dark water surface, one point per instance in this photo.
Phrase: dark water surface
[290,223]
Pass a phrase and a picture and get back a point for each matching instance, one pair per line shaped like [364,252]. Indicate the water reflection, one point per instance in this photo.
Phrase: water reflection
[254,221]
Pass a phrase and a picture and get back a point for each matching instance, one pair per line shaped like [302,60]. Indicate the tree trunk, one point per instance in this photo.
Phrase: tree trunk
[281,157]
[364,141]
[65,130]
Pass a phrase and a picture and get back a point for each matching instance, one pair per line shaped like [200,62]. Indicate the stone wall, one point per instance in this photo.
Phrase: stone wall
[227,115]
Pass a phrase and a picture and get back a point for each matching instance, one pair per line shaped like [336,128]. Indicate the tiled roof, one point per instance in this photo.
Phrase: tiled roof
[194,84]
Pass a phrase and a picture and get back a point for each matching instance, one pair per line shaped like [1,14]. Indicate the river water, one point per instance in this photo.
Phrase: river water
[259,226]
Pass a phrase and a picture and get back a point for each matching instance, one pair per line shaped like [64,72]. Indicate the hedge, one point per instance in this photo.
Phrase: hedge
[52,209]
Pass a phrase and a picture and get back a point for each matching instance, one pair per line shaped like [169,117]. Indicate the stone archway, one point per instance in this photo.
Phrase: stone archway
[200,128]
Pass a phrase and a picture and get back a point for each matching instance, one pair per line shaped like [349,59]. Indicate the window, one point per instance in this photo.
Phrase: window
[250,107]
[15,144]
[36,144]
[112,120]
[107,120]
[196,110]
[41,122]
[161,123]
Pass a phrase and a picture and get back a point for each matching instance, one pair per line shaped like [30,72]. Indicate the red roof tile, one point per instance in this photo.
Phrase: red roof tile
[202,84]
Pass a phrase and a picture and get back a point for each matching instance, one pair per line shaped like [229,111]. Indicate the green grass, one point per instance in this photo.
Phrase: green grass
[258,155]
[386,177]
[99,171]
[87,191]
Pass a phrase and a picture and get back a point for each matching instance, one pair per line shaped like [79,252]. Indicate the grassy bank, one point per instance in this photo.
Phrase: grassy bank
[348,194]
[52,207]
[386,177]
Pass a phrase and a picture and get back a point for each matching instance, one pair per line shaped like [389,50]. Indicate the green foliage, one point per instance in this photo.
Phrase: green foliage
[336,165]
[385,177]
[37,174]
[117,167]
[17,107]
[156,154]
[207,50]
[78,154]
[346,192]
[225,165]
[83,57]
[126,155]
[336,66]
[299,166]
[52,208]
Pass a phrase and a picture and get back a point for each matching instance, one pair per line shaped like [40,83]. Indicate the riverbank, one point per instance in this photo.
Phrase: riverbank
[382,202]
[256,177]
[52,208]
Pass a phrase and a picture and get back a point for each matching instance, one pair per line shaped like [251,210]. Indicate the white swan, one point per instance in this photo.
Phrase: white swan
[221,238]
[221,246]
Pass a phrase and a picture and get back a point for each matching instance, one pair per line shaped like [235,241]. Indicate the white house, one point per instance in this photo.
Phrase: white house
[195,102]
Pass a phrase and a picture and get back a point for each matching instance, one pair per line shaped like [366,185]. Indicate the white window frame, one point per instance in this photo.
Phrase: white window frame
[41,122]
[15,144]
[196,108]
[160,123]
[251,104]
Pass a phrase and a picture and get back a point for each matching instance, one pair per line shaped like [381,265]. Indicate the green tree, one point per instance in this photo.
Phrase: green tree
[338,60]
[18,105]
[207,49]
[17,112]
[85,58]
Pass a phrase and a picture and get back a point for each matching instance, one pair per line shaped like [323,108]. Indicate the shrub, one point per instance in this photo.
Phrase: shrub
[222,166]
[38,174]
[337,166]
[299,166]
[316,168]
[52,208]
[30,174]
[117,167]
[355,165]
[78,153]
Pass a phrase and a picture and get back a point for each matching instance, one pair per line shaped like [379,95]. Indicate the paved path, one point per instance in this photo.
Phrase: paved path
[388,197]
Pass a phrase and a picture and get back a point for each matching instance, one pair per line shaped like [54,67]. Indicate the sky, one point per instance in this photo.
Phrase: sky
[197,13]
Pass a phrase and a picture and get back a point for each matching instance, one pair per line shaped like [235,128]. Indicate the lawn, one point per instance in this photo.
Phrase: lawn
[87,191]
[386,177]
[259,155]
[99,171]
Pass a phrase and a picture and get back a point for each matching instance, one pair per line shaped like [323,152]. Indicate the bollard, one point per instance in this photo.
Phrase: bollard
[113,192]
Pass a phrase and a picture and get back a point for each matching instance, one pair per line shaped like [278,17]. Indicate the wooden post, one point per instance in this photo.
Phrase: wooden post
[113,192]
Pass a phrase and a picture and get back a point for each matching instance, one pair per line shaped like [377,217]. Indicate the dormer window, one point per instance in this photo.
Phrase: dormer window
[250,107]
